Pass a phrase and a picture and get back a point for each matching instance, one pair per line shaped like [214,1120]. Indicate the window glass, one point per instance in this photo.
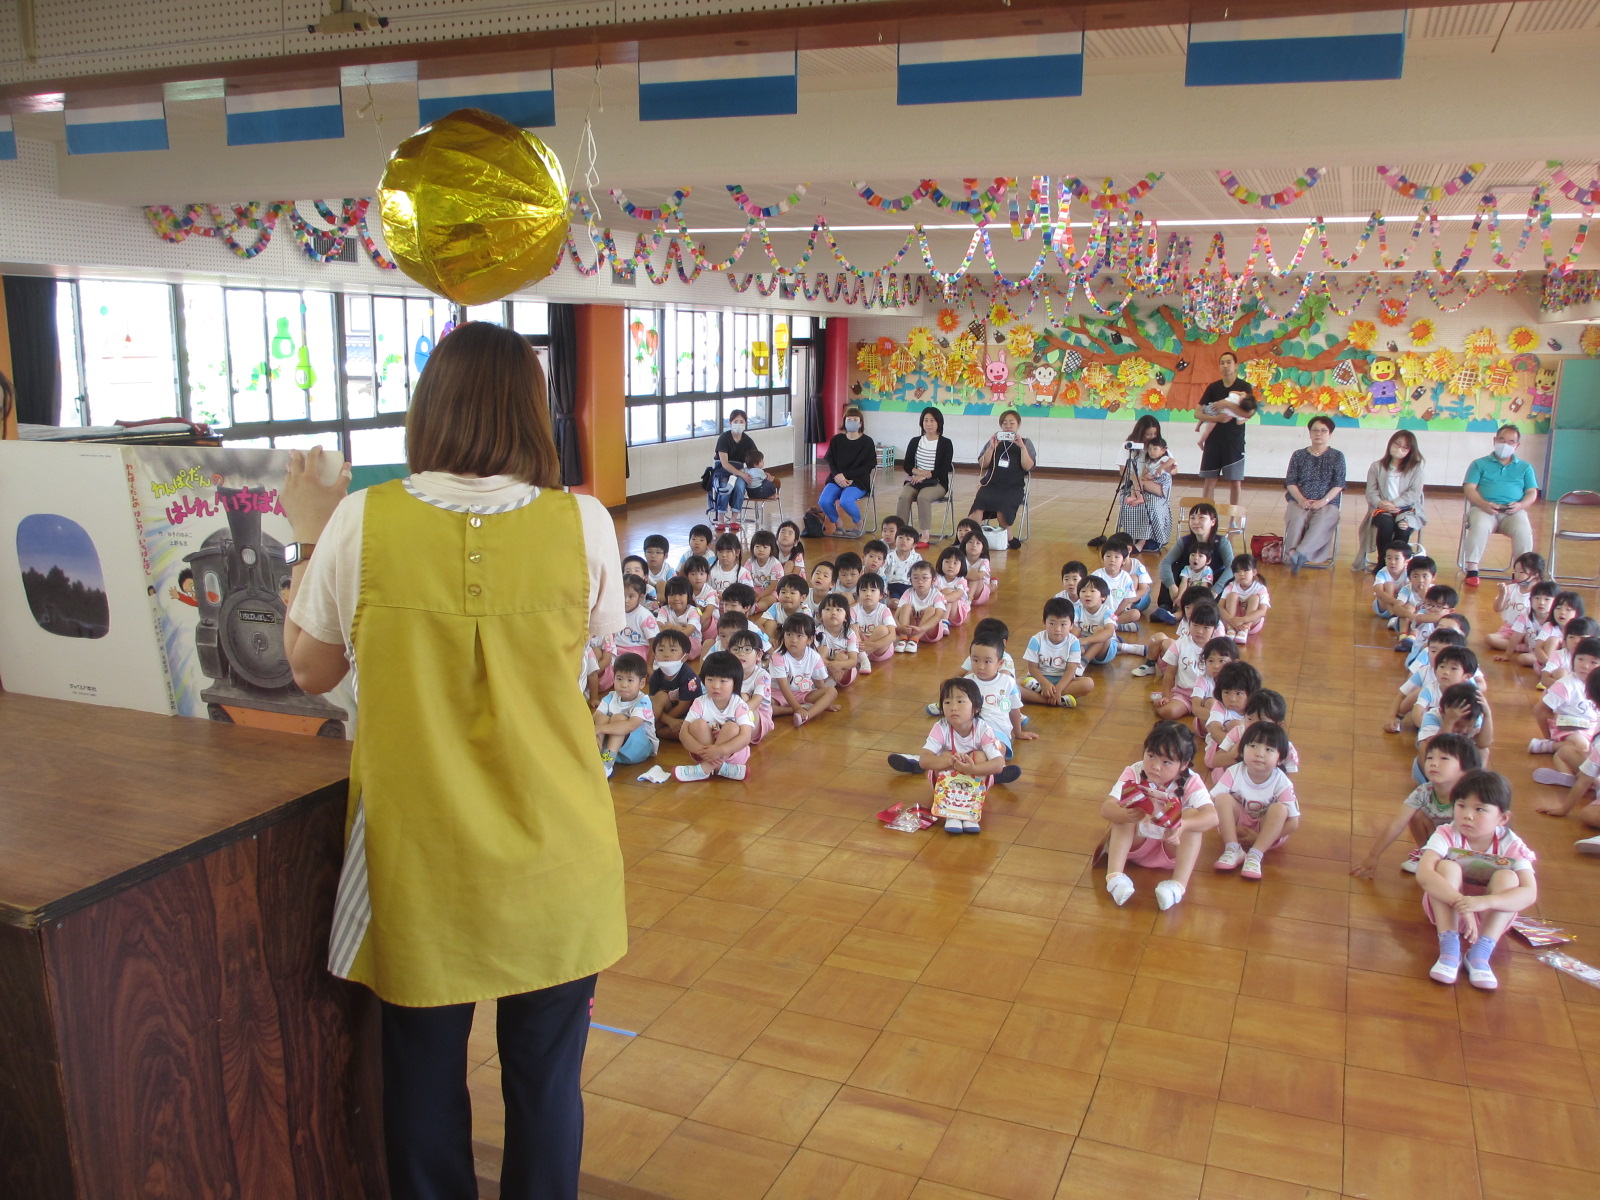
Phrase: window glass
[707,417]
[530,316]
[249,367]
[389,352]
[205,335]
[424,321]
[67,341]
[285,340]
[494,313]
[316,366]
[644,425]
[756,409]
[378,447]
[678,420]
[130,372]
[304,441]
[644,351]
[361,376]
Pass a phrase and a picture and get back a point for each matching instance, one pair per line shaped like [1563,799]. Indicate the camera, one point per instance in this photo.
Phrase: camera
[1132,447]
[1005,435]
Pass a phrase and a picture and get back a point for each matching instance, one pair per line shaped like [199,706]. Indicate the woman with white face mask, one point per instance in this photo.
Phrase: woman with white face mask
[730,482]
[852,457]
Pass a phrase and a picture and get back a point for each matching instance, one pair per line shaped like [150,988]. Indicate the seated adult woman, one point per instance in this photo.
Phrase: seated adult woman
[927,465]
[852,457]
[730,482]
[1003,474]
[1144,497]
[1313,486]
[1394,499]
[1203,532]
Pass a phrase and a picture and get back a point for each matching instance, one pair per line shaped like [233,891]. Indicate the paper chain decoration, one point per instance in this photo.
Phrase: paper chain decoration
[752,209]
[1288,195]
[660,213]
[1429,195]
[1571,189]
[261,218]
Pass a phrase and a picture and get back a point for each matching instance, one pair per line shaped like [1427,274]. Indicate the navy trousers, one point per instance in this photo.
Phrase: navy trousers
[427,1112]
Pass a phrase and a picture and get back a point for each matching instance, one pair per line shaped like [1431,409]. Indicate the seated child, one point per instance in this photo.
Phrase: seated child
[1405,714]
[678,613]
[1565,715]
[1143,583]
[1180,664]
[728,564]
[756,687]
[1580,781]
[791,550]
[1120,583]
[1461,708]
[1263,705]
[805,687]
[741,598]
[719,727]
[1528,629]
[1451,665]
[1476,875]
[762,486]
[1439,602]
[874,622]
[1558,660]
[633,564]
[639,623]
[1255,800]
[889,530]
[1513,600]
[1218,653]
[1198,573]
[1002,700]
[673,684]
[625,724]
[701,595]
[837,641]
[950,577]
[1244,600]
[1225,720]
[962,757]
[1189,599]
[589,676]
[728,624]
[921,615]
[822,580]
[1097,622]
[897,567]
[656,548]
[873,555]
[1420,573]
[792,591]
[847,570]
[604,652]
[762,570]
[1159,812]
[1389,578]
[981,583]
[1072,576]
[1449,757]
[1056,659]
[700,537]
[991,627]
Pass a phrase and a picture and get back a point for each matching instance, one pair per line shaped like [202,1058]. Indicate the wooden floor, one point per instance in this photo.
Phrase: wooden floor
[816,1007]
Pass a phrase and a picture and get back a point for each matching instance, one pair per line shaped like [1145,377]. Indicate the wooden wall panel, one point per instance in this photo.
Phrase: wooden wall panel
[35,1161]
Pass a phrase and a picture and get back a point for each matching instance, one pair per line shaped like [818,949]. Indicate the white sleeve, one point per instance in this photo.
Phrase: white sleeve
[605,566]
[325,602]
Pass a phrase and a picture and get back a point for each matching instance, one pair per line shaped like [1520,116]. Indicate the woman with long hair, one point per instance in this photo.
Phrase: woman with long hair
[1394,499]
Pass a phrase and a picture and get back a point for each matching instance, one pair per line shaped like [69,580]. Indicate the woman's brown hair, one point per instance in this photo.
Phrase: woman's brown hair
[480,408]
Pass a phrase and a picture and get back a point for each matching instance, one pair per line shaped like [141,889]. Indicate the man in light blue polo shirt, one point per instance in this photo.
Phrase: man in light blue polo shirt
[1500,487]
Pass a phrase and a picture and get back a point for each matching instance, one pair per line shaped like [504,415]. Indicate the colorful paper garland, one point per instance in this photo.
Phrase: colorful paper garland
[752,209]
[1571,189]
[1230,183]
[1431,195]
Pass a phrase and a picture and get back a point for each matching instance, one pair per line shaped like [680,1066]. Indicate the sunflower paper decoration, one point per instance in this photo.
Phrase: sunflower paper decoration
[902,362]
[1152,397]
[1069,393]
[948,319]
[1324,398]
[1413,367]
[1019,341]
[1501,378]
[1422,331]
[1363,335]
[1482,343]
[885,346]
[920,340]
[1439,365]
[1467,380]
[1135,371]
[1280,393]
[1259,372]
[1521,340]
[1589,343]
[1096,377]
[1392,310]
[868,358]
[1001,314]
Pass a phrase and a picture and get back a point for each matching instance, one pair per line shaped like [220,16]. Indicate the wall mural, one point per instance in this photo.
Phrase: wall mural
[1388,373]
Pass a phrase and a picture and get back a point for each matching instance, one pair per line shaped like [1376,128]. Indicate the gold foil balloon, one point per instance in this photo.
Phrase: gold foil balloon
[473,207]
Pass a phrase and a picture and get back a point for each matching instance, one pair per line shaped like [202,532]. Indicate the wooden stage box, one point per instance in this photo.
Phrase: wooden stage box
[167,1024]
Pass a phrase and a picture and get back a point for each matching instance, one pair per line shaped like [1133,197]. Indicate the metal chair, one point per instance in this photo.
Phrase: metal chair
[1581,499]
[1484,570]
[948,518]
[753,515]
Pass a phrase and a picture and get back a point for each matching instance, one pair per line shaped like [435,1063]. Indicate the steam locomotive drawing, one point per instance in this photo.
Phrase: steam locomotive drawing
[240,582]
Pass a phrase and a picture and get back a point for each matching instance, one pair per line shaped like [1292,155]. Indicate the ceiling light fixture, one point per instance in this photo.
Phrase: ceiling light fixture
[344,19]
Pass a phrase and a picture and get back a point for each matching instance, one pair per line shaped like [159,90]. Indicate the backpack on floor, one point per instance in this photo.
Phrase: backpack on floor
[1267,548]
[811,525]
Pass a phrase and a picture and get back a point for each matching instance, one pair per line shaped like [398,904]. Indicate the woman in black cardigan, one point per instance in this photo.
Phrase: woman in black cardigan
[927,463]
[852,457]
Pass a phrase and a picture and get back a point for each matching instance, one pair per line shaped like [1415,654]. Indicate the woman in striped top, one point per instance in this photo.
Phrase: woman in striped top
[927,465]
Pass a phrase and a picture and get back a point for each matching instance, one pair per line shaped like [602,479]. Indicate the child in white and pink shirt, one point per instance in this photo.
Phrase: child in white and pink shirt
[1244,601]
[719,725]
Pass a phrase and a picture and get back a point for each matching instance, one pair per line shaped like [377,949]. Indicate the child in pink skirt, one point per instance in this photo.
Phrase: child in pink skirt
[1255,800]
[837,641]
[981,582]
[874,622]
[805,687]
[719,726]
[677,613]
[756,687]
[1245,600]
[950,577]
[1159,810]
[962,758]
[922,613]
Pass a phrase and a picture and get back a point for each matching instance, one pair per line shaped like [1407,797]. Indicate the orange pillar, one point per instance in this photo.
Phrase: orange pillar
[8,422]
[602,416]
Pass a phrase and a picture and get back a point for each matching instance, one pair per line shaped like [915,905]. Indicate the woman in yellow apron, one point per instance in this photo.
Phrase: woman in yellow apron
[482,860]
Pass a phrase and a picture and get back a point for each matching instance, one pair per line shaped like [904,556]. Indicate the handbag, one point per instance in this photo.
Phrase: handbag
[1267,547]
[997,537]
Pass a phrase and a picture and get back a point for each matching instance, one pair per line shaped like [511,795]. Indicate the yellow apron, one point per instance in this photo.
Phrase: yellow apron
[482,856]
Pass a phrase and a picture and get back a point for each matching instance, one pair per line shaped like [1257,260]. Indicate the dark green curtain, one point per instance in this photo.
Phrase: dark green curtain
[563,387]
[35,353]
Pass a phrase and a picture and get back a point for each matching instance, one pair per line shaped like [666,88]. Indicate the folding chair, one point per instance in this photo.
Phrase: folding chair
[1484,570]
[753,515]
[1558,534]
[948,519]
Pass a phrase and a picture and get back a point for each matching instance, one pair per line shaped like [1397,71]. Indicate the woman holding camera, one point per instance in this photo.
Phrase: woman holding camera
[1003,474]
[1394,498]
[1145,493]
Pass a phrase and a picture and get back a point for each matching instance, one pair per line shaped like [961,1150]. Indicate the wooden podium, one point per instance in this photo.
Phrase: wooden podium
[167,1024]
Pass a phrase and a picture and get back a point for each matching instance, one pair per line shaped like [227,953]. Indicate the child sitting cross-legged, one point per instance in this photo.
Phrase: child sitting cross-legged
[792,591]
[1057,676]
[837,641]
[1244,600]
[1476,875]
[962,758]
[874,622]
[805,687]
[1449,757]
[1180,664]
[921,615]
[639,627]
[1159,812]
[1255,800]
[625,724]
[673,685]
[1002,699]
[1388,579]
[678,613]
[1218,653]
[1565,715]
[1225,721]
[1526,629]
[720,726]
[756,687]
[1097,622]
[950,577]
[1579,779]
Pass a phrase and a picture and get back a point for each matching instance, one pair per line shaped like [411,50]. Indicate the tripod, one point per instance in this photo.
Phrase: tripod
[1126,475]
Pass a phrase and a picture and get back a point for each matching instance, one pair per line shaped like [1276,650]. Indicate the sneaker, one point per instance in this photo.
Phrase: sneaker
[1232,855]
[609,761]
[911,647]
[1241,637]
[1252,866]
[971,827]
[720,527]
[1164,616]
[1008,774]
[1588,845]
[933,710]
[1412,859]
[922,545]
[690,773]
[1128,627]
[1144,669]
[906,764]
[1449,965]
[1471,580]
[1168,893]
[1120,887]
[733,527]
[900,647]
[1541,746]
[1403,646]
[1392,624]
[1067,701]
[730,770]
[1481,977]
[953,825]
